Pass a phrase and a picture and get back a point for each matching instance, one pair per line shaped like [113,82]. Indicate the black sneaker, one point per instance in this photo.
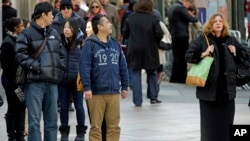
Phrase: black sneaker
[155,101]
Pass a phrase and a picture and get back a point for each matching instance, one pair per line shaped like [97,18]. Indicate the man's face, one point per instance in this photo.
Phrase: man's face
[66,12]
[105,26]
[104,2]
[48,18]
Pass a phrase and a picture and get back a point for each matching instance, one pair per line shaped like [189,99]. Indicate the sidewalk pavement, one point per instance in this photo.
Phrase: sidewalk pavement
[175,119]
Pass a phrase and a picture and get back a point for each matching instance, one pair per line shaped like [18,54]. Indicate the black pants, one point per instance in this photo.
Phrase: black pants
[179,70]
[14,105]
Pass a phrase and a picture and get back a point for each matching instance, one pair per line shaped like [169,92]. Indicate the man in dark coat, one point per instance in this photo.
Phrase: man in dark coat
[66,12]
[43,73]
[179,19]
[12,12]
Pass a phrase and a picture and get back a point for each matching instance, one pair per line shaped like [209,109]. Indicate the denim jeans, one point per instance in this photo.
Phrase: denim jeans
[137,85]
[41,97]
[64,97]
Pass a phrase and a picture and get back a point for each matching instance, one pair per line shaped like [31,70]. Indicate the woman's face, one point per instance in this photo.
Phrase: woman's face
[67,30]
[57,4]
[95,8]
[217,24]
[89,29]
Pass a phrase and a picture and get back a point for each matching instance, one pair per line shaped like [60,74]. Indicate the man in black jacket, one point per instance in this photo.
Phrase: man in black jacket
[179,19]
[43,72]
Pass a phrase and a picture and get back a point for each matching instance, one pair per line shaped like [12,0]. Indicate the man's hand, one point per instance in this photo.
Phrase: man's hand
[88,95]
[124,94]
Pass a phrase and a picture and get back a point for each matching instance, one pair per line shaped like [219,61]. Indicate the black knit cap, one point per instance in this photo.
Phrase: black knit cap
[43,7]
[66,3]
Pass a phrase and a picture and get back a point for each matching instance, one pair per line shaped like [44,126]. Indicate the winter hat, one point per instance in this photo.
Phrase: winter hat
[65,3]
[40,8]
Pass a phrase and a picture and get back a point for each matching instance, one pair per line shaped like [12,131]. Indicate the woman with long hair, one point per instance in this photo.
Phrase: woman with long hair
[72,39]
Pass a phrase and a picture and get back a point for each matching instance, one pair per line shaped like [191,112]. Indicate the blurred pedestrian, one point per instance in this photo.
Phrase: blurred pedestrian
[217,98]
[66,12]
[12,12]
[144,35]
[77,8]
[43,73]
[193,27]
[95,8]
[72,39]
[15,115]
[179,19]
[56,7]
[104,75]
[113,17]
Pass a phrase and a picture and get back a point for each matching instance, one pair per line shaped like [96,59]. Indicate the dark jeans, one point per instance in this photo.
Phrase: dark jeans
[65,93]
[179,71]
[137,85]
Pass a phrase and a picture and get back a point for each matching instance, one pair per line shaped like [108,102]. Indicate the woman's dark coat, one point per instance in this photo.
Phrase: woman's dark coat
[144,34]
[193,54]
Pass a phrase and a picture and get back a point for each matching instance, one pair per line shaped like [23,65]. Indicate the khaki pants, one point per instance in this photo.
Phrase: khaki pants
[104,106]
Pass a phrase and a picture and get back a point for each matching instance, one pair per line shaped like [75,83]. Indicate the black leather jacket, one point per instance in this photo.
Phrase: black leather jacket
[49,66]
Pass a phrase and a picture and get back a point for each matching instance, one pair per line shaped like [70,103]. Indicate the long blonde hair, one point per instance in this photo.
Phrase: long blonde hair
[208,29]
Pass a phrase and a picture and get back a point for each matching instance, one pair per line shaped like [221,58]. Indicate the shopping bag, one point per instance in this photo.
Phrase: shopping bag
[197,75]
[79,85]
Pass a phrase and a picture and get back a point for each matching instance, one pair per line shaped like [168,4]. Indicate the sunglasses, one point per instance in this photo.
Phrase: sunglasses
[66,7]
[94,7]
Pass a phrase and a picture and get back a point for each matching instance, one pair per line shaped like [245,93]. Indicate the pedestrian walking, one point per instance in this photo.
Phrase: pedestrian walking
[217,98]
[72,39]
[104,74]
[43,73]
[179,19]
[15,115]
[114,18]
[144,34]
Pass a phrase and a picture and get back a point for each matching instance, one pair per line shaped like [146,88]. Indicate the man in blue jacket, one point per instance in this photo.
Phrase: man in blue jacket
[104,73]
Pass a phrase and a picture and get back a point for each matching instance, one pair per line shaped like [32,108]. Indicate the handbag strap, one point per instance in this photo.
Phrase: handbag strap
[39,50]
[207,40]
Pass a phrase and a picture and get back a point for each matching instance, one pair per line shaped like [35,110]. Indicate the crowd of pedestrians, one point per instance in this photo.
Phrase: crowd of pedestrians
[70,41]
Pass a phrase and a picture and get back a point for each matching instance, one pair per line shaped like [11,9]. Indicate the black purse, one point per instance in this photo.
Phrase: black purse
[243,72]
[21,73]
[165,46]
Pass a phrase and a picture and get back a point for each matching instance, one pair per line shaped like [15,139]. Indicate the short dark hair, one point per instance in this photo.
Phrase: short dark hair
[43,7]
[95,21]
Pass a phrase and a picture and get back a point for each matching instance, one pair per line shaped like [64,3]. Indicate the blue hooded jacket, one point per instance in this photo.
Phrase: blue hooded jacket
[103,67]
